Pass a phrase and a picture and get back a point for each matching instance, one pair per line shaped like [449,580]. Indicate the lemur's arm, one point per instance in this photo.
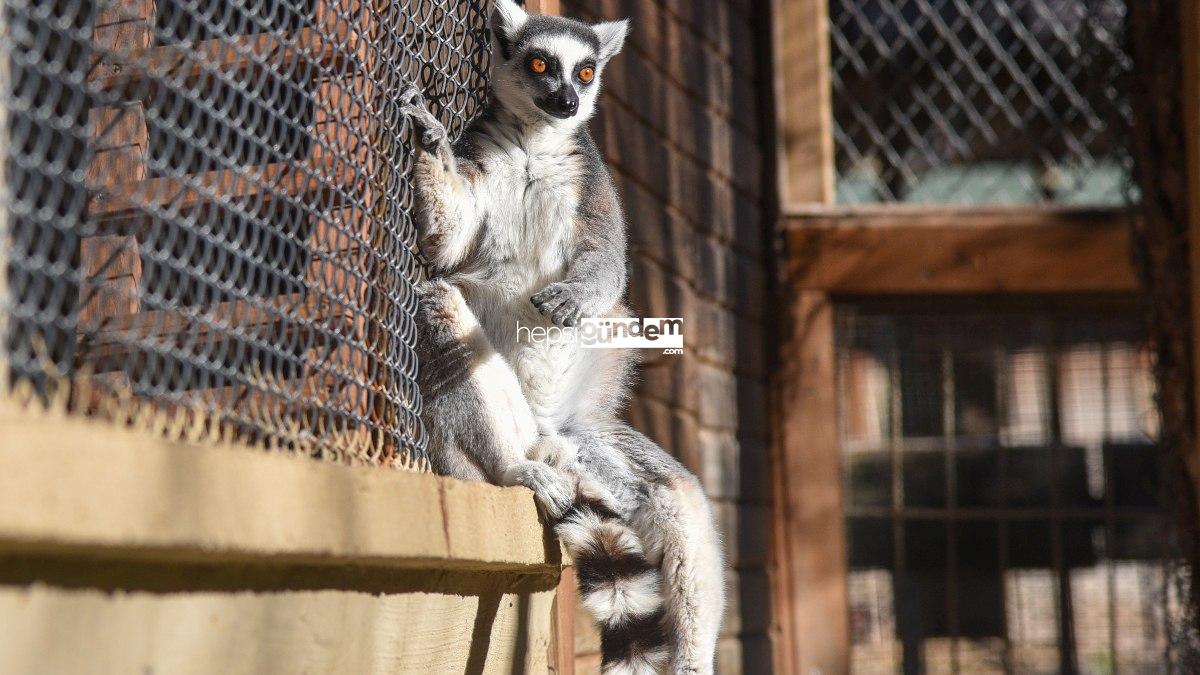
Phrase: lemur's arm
[596,274]
[448,218]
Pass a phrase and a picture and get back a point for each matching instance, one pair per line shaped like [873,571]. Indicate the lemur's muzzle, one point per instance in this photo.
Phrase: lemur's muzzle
[562,104]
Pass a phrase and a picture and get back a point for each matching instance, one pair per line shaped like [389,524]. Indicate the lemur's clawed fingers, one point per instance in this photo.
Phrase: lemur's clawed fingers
[547,294]
[557,301]
[431,133]
[411,95]
[567,313]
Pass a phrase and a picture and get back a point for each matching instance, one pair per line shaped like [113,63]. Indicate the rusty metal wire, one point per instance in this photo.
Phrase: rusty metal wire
[207,212]
[1000,101]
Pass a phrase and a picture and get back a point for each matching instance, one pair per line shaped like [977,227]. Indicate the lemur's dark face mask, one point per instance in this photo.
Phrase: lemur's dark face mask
[555,90]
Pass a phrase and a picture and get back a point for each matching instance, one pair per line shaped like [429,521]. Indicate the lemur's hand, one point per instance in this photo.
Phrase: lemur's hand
[431,133]
[561,302]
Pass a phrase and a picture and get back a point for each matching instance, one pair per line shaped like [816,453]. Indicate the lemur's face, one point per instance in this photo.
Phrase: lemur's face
[548,67]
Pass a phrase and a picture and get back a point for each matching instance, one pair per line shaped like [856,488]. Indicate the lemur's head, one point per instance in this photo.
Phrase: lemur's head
[547,68]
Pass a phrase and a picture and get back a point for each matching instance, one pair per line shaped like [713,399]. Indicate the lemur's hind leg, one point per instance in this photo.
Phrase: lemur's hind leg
[478,421]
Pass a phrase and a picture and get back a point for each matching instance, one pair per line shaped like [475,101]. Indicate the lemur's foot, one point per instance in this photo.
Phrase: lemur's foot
[553,491]
[560,302]
[431,134]
[557,451]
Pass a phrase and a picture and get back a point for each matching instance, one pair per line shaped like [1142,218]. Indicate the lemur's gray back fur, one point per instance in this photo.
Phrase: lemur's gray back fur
[523,225]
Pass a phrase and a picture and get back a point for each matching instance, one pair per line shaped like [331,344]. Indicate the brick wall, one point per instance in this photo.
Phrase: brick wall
[680,126]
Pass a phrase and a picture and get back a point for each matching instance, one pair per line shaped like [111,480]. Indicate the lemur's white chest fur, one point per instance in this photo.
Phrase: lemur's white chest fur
[527,196]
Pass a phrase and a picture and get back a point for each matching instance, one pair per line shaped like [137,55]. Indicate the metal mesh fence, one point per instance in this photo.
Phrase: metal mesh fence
[992,102]
[207,227]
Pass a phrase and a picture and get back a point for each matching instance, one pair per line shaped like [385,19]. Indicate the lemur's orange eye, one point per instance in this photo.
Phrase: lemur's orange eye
[586,74]
[537,65]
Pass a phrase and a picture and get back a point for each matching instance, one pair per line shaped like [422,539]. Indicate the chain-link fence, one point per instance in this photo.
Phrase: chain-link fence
[207,212]
[992,102]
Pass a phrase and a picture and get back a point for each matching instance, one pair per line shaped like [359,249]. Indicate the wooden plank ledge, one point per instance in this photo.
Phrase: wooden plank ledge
[898,250]
[72,486]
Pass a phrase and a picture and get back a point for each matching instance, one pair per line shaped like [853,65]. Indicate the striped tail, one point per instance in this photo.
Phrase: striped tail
[619,586]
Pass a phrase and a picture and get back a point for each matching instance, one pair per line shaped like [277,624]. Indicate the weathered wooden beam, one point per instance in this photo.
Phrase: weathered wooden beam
[1190,37]
[112,272]
[896,250]
[809,541]
[72,485]
[803,102]
[809,623]
[254,621]
[121,26]
[563,645]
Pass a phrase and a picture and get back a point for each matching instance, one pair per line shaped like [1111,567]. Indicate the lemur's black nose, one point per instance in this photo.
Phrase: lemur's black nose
[567,101]
[562,103]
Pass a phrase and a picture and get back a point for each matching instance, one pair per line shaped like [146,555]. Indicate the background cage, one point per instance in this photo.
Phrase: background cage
[961,187]
[1006,510]
[207,222]
[980,103]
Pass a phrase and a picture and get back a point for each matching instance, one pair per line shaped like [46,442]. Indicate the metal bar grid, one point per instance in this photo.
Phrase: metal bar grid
[1095,538]
[1003,101]
[208,230]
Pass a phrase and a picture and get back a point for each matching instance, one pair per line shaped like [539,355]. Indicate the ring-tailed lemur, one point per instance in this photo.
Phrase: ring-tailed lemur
[522,224]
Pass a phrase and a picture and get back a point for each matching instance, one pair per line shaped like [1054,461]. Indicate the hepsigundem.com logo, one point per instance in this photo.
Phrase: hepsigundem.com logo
[610,333]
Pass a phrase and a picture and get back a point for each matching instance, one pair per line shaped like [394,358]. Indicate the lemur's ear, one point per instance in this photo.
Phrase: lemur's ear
[612,38]
[507,19]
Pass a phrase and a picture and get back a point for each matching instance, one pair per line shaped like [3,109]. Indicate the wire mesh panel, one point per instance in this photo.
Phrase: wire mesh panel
[992,102]
[1005,507]
[207,212]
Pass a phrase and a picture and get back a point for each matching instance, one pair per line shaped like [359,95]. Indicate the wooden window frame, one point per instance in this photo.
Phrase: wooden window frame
[831,251]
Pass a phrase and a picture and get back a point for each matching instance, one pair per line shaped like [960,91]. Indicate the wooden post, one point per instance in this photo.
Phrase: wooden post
[803,102]
[809,530]
[562,648]
[1190,42]
[811,633]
